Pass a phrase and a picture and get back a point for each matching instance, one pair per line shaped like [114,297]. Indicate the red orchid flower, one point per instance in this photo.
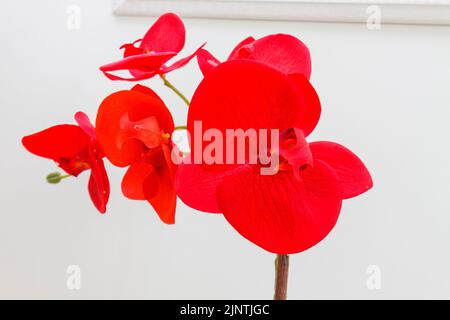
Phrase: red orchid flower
[75,149]
[163,41]
[294,209]
[280,51]
[134,128]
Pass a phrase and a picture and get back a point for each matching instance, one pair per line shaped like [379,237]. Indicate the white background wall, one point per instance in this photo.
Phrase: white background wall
[385,95]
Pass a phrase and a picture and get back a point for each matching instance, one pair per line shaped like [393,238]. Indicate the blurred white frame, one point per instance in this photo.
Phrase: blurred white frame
[435,12]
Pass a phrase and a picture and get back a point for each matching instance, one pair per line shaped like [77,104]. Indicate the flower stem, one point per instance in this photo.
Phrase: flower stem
[168,84]
[180,128]
[281,276]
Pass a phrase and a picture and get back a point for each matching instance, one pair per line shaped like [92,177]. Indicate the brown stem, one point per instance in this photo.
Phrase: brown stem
[281,276]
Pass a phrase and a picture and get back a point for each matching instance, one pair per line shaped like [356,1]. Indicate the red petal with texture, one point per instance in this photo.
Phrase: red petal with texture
[140,181]
[131,50]
[166,34]
[179,63]
[85,124]
[138,106]
[354,178]
[279,213]
[146,90]
[312,109]
[99,199]
[234,53]
[284,52]
[61,141]
[196,186]
[206,61]
[143,62]
[98,182]
[244,94]
[295,149]
[152,179]
[136,76]
[165,200]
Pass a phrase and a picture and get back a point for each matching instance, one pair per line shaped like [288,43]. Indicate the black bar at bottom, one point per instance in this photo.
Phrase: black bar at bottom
[228,309]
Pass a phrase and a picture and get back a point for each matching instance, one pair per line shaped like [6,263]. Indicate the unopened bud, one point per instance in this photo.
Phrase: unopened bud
[54,177]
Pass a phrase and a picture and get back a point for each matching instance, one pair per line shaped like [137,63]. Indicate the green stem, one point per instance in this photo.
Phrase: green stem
[168,84]
[180,128]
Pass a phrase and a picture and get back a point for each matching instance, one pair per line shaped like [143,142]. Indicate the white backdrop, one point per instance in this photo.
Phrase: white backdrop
[385,94]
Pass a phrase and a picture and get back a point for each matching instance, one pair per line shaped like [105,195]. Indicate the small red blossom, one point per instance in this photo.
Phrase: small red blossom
[280,51]
[134,128]
[147,57]
[297,207]
[75,149]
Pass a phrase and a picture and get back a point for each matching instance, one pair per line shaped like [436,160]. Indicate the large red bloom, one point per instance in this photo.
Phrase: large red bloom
[163,41]
[280,51]
[75,149]
[134,129]
[297,207]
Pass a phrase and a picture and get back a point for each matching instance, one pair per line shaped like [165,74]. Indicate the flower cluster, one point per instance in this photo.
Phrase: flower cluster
[264,86]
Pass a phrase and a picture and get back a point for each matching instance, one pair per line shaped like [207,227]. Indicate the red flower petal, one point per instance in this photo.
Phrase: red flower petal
[206,61]
[354,178]
[295,149]
[140,182]
[245,94]
[152,179]
[96,193]
[312,109]
[196,186]
[146,90]
[144,62]
[234,53]
[281,51]
[179,63]
[131,49]
[98,181]
[151,137]
[61,143]
[165,200]
[85,124]
[138,106]
[279,213]
[137,75]
[166,34]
